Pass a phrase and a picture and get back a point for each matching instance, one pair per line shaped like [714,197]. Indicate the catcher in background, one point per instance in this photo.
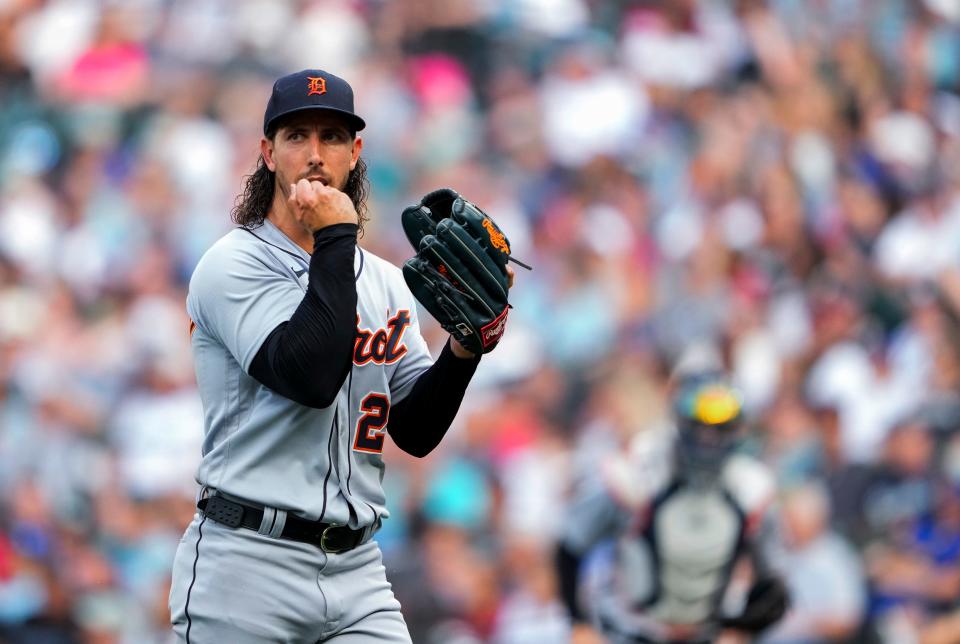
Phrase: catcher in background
[308,352]
[679,535]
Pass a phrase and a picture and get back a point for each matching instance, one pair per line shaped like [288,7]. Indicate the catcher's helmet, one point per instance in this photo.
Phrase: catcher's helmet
[709,414]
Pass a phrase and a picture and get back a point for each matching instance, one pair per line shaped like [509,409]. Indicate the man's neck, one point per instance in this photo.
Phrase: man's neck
[282,217]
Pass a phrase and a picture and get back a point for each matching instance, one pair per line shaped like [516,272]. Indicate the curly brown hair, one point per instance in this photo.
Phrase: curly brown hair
[253,204]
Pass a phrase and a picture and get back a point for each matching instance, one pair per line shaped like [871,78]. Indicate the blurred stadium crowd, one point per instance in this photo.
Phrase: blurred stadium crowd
[778,178]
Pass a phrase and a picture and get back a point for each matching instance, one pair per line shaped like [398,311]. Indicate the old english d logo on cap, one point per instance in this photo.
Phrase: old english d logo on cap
[316,85]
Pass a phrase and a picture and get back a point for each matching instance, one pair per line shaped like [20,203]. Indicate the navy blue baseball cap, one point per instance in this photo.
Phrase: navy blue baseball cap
[311,89]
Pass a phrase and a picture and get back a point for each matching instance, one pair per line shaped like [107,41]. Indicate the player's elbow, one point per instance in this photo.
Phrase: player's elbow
[412,430]
[414,443]
[416,450]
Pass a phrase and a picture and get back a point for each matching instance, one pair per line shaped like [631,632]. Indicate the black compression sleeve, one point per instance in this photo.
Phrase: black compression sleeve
[419,421]
[308,358]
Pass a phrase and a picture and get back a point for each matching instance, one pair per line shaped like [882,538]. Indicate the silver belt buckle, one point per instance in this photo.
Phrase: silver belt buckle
[323,541]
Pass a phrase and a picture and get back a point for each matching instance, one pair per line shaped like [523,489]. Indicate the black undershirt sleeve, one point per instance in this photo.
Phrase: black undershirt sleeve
[307,358]
[419,421]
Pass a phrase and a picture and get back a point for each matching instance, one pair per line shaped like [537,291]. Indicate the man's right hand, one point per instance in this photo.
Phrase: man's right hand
[317,206]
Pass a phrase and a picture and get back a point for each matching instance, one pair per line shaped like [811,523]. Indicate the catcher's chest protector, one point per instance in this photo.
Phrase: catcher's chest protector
[693,539]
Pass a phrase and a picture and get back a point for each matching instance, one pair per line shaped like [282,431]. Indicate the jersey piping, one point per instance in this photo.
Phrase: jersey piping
[193,579]
[326,479]
[269,243]
[349,447]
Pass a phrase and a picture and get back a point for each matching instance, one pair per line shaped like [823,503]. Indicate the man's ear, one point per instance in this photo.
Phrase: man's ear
[355,154]
[266,151]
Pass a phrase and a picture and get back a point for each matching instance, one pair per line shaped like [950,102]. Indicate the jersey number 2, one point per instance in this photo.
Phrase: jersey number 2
[370,427]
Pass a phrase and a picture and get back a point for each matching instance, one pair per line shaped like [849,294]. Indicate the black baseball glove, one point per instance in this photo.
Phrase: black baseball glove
[767,602]
[460,270]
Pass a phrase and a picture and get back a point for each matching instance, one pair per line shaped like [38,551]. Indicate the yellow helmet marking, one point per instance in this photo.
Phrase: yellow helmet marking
[716,405]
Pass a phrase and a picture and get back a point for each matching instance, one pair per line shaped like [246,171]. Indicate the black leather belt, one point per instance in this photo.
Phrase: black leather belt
[329,537]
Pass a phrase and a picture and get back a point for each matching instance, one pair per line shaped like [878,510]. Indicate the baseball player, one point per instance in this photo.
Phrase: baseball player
[307,351]
[679,535]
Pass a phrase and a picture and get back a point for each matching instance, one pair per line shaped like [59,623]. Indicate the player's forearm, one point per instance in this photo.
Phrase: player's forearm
[308,358]
[419,422]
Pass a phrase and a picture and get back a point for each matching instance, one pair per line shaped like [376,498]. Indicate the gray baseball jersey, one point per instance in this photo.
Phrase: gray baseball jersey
[319,463]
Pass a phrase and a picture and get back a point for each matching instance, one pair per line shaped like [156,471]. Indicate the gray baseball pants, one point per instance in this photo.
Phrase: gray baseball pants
[237,585]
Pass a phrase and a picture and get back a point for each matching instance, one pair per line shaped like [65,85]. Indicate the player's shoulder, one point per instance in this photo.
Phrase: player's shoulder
[749,482]
[236,248]
[236,242]
[376,270]
[637,475]
[378,266]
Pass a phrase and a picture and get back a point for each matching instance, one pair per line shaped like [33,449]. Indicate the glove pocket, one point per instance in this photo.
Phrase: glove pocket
[440,202]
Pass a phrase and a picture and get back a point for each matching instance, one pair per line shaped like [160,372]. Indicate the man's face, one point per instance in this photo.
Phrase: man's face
[313,145]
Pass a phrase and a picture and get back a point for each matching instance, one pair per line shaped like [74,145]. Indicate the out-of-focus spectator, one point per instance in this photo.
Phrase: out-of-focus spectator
[589,108]
[822,573]
[916,574]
